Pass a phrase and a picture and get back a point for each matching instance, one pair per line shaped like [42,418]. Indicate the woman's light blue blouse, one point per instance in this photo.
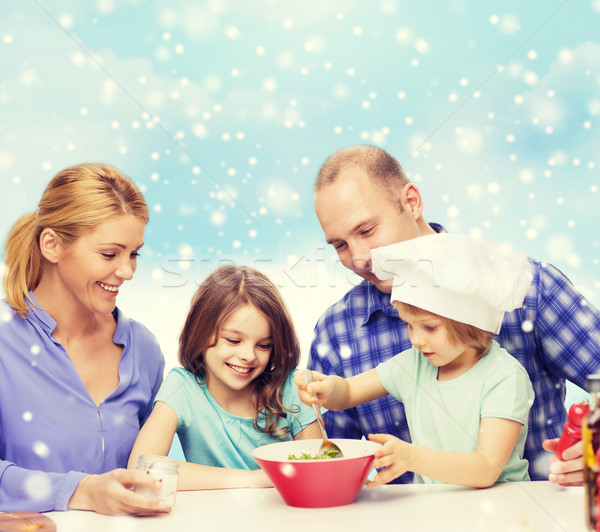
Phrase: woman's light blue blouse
[51,432]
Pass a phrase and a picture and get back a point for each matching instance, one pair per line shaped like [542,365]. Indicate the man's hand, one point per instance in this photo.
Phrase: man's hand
[570,471]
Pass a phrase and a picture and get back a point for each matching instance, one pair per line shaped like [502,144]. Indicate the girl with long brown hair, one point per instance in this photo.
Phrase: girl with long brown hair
[235,390]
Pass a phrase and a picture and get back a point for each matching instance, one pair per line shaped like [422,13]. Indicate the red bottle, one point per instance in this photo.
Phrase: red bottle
[572,432]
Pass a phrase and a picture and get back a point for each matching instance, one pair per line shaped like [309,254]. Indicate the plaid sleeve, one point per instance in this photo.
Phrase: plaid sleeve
[556,336]
[569,327]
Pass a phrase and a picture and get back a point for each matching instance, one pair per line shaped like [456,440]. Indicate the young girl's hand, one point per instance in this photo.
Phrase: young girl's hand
[259,479]
[321,385]
[394,456]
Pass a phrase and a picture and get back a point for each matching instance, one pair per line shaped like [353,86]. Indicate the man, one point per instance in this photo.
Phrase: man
[363,200]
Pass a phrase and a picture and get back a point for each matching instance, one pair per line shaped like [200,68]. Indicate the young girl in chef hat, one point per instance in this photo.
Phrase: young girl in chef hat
[235,391]
[467,400]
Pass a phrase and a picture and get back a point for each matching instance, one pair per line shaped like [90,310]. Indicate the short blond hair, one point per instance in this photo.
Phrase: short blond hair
[76,200]
[458,332]
[380,166]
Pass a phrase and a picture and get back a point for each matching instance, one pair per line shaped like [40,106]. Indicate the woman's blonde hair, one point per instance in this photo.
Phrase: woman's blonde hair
[76,200]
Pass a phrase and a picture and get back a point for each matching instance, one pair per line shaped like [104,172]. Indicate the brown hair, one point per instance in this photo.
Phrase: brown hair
[76,200]
[458,332]
[219,295]
[379,165]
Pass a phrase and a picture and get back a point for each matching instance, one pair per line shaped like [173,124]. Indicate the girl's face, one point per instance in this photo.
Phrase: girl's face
[91,270]
[429,335]
[241,354]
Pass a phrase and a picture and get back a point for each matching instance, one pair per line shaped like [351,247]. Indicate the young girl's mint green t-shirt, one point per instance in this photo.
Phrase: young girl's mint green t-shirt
[212,436]
[445,415]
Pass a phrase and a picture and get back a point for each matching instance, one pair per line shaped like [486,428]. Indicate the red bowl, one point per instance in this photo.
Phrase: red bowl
[319,483]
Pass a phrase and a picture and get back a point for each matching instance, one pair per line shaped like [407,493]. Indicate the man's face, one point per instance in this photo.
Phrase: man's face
[357,216]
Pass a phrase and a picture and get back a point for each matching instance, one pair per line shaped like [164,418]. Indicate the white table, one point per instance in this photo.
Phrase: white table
[510,507]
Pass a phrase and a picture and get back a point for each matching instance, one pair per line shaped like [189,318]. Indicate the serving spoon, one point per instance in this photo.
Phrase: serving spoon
[327,447]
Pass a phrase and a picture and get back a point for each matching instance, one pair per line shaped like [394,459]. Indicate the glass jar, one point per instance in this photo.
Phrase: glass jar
[164,469]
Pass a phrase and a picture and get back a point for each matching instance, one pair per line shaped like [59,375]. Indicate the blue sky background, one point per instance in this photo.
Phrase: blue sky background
[223,111]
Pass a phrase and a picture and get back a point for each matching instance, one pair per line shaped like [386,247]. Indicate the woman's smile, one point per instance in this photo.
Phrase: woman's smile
[110,288]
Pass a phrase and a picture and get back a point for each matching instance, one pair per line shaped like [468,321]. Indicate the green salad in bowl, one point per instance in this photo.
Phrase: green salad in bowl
[306,456]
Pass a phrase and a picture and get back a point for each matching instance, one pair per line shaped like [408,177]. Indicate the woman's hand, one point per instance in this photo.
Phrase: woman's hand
[394,456]
[570,471]
[111,494]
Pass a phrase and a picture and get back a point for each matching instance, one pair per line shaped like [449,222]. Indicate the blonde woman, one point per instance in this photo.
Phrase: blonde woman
[77,377]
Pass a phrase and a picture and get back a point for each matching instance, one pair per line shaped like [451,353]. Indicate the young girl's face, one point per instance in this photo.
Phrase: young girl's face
[429,335]
[241,354]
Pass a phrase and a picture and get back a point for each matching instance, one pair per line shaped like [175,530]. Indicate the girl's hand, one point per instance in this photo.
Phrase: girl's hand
[394,457]
[570,471]
[260,479]
[321,385]
[111,494]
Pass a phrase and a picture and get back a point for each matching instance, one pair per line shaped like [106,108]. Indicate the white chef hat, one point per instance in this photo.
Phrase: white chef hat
[469,280]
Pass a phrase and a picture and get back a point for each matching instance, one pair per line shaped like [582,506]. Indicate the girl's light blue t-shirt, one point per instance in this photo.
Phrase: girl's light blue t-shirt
[212,436]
